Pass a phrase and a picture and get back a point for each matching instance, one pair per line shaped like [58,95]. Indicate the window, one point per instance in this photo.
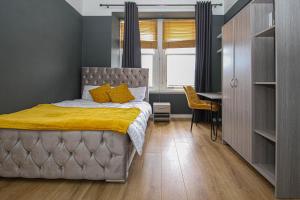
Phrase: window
[147,62]
[179,45]
[168,50]
[180,67]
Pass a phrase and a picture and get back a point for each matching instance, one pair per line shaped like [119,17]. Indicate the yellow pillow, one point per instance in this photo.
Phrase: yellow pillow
[120,94]
[100,94]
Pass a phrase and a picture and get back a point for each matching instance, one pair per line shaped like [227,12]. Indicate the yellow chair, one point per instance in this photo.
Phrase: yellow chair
[195,103]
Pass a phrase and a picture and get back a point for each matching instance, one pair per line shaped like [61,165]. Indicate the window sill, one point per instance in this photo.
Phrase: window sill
[166,91]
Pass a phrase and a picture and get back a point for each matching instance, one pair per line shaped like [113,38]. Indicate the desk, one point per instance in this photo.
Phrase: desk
[213,97]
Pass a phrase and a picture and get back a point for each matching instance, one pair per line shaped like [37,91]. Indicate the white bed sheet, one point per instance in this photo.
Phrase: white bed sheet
[136,130]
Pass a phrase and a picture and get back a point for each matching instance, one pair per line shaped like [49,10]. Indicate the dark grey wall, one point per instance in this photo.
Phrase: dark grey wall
[40,53]
[239,5]
[101,41]
[97,41]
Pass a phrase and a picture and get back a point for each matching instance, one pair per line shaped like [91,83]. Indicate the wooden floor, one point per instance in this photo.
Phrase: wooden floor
[176,164]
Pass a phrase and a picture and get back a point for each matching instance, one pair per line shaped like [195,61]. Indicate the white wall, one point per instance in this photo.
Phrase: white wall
[92,8]
[228,4]
[77,4]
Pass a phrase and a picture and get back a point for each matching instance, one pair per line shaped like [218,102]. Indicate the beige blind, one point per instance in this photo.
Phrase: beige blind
[148,31]
[179,33]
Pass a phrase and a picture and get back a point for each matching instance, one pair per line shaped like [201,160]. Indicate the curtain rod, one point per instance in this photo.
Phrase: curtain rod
[156,5]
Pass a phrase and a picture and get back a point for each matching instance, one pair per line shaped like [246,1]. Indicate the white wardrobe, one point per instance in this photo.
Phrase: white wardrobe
[261,90]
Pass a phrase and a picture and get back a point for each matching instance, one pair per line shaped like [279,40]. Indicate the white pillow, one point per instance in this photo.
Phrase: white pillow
[138,93]
[85,94]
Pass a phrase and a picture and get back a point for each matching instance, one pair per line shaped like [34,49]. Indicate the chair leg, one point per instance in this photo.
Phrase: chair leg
[192,120]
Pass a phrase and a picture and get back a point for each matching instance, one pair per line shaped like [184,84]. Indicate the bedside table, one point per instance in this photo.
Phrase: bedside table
[161,111]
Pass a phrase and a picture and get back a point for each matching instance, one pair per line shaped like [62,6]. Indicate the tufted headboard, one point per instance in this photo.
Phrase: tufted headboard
[134,77]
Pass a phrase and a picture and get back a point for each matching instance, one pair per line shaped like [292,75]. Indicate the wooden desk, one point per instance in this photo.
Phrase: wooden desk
[211,96]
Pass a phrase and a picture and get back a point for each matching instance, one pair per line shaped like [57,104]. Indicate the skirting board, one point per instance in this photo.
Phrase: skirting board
[178,116]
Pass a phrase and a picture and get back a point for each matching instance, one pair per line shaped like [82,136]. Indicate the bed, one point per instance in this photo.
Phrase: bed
[92,155]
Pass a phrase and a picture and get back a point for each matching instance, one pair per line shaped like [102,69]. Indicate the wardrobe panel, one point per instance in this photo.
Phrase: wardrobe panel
[228,76]
[288,98]
[243,121]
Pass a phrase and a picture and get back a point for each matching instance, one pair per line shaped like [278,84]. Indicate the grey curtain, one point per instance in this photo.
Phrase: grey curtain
[203,15]
[132,42]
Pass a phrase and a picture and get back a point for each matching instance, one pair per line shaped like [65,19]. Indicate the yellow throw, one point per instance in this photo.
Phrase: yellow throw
[50,117]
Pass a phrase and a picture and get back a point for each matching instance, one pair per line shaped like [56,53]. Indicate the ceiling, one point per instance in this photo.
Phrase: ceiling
[228,4]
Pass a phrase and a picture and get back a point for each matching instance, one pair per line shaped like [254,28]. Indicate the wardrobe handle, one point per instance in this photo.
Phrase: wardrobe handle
[235,82]
[232,83]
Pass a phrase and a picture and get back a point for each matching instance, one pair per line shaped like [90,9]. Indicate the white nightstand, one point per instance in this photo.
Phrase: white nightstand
[161,111]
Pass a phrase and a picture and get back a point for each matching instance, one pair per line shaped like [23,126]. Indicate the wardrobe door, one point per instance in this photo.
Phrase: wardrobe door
[243,84]
[228,89]
[288,98]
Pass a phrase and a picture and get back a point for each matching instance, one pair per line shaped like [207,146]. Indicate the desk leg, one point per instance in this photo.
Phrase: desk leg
[213,127]
[211,124]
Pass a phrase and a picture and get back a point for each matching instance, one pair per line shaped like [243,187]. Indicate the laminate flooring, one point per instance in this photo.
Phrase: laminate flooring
[176,164]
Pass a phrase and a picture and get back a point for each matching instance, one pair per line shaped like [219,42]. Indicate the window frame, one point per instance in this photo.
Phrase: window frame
[163,85]
[160,65]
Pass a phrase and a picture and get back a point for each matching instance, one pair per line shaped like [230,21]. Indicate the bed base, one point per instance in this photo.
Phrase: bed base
[91,155]
[131,157]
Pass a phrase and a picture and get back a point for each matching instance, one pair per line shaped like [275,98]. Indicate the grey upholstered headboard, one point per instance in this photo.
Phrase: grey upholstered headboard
[134,77]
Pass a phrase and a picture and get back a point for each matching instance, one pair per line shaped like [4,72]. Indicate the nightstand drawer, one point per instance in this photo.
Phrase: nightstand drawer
[161,107]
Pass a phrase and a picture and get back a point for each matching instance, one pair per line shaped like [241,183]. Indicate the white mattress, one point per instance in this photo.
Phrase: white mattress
[136,130]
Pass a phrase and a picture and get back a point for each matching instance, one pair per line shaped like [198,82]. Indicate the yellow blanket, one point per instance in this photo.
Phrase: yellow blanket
[51,117]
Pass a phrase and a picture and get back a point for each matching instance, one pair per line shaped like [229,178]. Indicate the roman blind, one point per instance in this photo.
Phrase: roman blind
[179,33]
[148,31]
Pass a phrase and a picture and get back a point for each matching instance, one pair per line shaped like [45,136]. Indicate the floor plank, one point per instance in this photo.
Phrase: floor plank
[176,164]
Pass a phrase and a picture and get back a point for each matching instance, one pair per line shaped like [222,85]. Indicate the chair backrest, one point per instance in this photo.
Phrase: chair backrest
[191,95]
